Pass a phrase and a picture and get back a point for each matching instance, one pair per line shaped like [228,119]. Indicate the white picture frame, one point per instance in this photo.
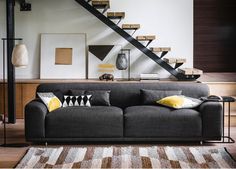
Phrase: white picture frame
[48,67]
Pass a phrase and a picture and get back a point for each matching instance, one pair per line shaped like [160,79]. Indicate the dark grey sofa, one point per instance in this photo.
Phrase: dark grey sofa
[127,119]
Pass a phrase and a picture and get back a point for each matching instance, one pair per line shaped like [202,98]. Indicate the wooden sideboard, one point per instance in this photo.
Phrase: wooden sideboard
[26,89]
[25,92]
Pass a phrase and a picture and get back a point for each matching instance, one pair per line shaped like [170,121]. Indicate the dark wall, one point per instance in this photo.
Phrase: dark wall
[215,35]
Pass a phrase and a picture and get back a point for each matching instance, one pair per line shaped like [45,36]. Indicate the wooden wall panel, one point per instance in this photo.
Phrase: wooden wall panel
[224,89]
[24,94]
[28,94]
[1,99]
[215,35]
[19,112]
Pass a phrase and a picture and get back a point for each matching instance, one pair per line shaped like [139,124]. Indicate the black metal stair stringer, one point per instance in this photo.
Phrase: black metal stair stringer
[133,41]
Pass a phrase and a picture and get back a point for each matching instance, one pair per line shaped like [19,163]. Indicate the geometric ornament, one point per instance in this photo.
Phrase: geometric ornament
[83,100]
[100,51]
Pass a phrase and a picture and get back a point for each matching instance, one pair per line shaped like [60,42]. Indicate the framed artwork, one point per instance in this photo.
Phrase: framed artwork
[63,56]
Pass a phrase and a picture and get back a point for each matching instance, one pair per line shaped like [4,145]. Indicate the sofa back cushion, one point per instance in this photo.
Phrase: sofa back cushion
[128,94]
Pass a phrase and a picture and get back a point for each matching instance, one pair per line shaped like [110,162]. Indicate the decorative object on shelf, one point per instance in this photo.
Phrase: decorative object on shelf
[121,61]
[56,59]
[100,51]
[97,67]
[149,76]
[20,60]
[107,77]
[106,68]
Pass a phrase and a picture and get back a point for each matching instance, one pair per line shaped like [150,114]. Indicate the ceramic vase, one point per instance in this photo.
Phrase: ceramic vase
[121,62]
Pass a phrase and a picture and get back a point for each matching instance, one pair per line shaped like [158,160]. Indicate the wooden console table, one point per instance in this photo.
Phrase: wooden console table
[25,90]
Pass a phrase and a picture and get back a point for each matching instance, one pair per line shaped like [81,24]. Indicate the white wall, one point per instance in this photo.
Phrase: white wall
[2,31]
[170,20]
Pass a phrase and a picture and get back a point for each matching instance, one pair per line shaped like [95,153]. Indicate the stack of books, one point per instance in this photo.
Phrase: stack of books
[149,77]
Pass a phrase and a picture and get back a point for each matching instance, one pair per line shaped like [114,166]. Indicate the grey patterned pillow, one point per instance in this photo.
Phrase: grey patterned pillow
[99,97]
[82,100]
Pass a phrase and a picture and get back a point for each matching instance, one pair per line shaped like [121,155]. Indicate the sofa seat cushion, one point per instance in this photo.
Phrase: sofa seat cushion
[157,121]
[85,122]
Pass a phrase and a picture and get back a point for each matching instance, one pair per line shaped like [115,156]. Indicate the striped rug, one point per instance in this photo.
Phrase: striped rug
[127,157]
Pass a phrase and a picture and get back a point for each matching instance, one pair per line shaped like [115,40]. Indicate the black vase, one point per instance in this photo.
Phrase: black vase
[121,61]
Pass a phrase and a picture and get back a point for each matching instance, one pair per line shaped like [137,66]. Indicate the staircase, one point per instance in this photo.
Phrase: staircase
[154,53]
[116,15]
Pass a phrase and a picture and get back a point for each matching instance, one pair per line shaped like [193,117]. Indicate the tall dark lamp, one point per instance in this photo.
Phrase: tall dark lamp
[19,59]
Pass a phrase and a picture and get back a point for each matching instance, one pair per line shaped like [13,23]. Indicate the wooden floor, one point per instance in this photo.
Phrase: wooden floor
[9,157]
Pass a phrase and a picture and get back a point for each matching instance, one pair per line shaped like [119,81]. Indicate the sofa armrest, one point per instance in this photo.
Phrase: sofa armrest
[35,113]
[212,113]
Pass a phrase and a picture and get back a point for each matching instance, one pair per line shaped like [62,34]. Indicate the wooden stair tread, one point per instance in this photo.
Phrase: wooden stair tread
[174,60]
[115,15]
[146,38]
[190,71]
[101,3]
[162,49]
[131,26]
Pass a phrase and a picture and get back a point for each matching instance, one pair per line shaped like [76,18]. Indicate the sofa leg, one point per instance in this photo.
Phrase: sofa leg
[46,144]
[201,142]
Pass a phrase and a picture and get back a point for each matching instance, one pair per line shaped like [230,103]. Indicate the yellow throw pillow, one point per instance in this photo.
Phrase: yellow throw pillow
[179,102]
[50,100]
[172,101]
[54,104]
